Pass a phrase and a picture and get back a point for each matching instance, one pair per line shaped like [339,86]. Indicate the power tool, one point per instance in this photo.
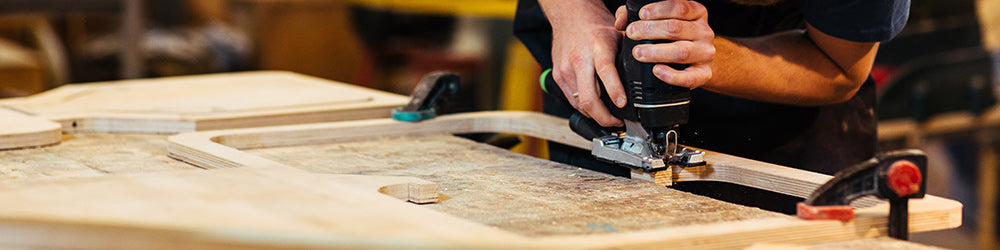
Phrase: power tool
[654,109]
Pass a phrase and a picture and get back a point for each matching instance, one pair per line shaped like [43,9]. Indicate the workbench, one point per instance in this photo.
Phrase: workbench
[380,183]
[346,184]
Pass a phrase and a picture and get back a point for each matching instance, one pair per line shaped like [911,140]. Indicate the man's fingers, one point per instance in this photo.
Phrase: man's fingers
[670,29]
[585,82]
[613,84]
[691,77]
[592,106]
[673,9]
[566,80]
[603,117]
[683,52]
[621,18]
[604,62]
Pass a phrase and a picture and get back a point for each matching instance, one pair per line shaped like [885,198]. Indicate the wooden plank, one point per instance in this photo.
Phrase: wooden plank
[90,155]
[222,149]
[19,131]
[194,103]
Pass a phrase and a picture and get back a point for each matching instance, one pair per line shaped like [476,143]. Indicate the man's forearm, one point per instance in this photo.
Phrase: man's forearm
[790,68]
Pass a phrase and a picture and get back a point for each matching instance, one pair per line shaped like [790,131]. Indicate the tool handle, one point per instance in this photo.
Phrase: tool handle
[582,125]
[433,89]
[657,105]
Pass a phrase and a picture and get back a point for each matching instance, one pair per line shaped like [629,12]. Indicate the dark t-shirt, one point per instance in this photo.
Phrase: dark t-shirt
[822,138]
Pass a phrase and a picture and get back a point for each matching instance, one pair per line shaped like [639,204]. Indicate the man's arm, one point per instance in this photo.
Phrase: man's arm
[794,67]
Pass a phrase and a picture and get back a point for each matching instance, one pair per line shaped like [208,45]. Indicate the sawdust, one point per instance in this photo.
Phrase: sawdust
[86,155]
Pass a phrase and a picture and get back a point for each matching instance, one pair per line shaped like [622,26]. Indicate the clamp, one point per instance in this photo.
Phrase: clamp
[896,176]
[434,89]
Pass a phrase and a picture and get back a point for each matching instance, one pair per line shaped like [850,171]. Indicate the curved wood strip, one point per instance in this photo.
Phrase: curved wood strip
[218,149]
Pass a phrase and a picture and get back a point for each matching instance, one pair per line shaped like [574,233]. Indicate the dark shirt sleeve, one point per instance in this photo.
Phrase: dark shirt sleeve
[857,20]
[534,31]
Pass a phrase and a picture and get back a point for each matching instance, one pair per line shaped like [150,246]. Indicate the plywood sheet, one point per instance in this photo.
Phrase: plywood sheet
[192,103]
[19,131]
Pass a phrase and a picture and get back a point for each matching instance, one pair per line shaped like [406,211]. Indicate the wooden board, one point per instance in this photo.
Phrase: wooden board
[225,149]
[87,155]
[205,102]
[19,131]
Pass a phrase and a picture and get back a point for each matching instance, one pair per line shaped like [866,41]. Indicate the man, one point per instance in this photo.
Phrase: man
[782,81]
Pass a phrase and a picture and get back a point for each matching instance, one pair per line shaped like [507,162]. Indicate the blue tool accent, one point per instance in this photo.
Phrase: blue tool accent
[434,89]
[414,116]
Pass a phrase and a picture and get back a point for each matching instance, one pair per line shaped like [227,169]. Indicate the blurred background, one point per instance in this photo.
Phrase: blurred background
[937,80]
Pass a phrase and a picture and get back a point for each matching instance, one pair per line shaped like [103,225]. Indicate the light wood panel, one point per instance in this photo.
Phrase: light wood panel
[204,102]
[19,131]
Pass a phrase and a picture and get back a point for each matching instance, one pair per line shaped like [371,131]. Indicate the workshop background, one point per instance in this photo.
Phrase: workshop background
[937,80]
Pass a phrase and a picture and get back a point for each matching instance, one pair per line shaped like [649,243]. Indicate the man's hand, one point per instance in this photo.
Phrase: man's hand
[585,43]
[682,21]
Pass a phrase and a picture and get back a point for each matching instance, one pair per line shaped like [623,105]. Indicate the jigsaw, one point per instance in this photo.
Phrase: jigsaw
[648,142]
